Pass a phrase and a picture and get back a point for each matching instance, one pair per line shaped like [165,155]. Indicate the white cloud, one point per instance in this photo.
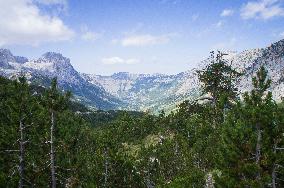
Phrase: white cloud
[282,35]
[118,60]
[144,40]
[219,24]
[174,2]
[52,2]
[194,17]
[114,41]
[90,36]
[21,22]
[227,12]
[262,9]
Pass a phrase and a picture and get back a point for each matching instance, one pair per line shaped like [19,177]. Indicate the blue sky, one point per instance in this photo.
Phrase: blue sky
[138,36]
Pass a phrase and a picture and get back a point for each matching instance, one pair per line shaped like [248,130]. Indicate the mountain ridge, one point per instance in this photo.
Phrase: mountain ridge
[142,92]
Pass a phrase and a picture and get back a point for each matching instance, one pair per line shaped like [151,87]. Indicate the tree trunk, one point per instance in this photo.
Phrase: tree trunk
[176,148]
[273,174]
[52,151]
[258,148]
[21,155]
[106,168]
[209,181]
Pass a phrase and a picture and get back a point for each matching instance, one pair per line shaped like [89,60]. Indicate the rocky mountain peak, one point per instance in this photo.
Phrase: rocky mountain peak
[57,61]
[54,56]
[6,53]
[275,49]
[21,60]
[5,57]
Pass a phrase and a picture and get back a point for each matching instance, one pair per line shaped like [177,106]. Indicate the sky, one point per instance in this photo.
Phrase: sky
[138,36]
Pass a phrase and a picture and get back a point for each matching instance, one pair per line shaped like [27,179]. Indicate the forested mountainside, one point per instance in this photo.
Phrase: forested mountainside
[142,91]
[47,139]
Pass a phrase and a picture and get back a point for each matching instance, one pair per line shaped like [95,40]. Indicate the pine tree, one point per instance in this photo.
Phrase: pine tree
[23,111]
[259,101]
[18,116]
[249,136]
[55,102]
[277,153]
[218,79]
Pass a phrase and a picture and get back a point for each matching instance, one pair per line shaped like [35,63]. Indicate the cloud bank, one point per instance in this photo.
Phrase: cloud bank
[21,22]
[263,9]
[227,12]
[119,60]
[144,40]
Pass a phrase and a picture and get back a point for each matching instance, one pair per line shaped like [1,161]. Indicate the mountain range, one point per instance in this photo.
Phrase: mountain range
[141,92]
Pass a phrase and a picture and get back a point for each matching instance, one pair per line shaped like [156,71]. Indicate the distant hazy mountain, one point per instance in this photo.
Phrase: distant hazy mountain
[143,91]
[153,92]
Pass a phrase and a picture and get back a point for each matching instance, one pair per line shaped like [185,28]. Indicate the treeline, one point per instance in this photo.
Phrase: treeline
[219,140]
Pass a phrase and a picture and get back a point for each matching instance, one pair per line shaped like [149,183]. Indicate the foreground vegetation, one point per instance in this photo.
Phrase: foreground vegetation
[216,141]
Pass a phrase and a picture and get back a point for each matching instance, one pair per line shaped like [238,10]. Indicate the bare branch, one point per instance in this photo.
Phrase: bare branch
[14,171]
[279,179]
[9,151]
[204,98]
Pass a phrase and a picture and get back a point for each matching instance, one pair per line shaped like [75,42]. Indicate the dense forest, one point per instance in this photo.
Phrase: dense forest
[222,139]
